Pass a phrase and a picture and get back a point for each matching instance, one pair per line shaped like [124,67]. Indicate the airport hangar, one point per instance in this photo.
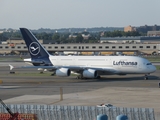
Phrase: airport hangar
[107,45]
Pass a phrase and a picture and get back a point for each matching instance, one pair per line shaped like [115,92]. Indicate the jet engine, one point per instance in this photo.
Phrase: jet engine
[90,73]
[63,72]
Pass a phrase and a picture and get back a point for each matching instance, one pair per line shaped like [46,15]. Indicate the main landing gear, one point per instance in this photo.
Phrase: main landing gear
[54,73]
[98,77]
[81,77]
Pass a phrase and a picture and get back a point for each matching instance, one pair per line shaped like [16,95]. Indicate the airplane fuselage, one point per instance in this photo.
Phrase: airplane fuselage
[121,64]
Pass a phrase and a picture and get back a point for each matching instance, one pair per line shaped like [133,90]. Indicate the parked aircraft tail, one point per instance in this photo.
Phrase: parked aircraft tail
[39,56]
[35,49]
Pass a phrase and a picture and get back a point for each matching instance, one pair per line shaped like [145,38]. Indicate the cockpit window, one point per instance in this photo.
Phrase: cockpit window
[149,63]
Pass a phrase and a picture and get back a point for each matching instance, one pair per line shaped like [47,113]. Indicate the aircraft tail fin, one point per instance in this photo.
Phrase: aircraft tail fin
[39,55]
[35,49]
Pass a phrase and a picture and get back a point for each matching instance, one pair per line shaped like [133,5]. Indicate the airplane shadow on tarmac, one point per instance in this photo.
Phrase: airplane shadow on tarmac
[127,78]
[122,78]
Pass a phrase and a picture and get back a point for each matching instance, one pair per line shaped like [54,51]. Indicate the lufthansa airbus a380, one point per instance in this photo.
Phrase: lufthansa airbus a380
[84,66]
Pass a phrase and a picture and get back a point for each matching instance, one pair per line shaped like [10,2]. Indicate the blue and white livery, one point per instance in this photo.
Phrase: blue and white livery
[84,66]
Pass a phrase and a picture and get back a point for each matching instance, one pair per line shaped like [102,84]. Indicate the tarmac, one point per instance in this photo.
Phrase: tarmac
[31,87]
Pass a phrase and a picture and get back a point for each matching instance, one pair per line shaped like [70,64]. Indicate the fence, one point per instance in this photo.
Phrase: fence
[53,112]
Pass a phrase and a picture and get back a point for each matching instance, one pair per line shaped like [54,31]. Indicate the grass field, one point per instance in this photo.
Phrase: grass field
[158,67]
[10,58]
[153,58]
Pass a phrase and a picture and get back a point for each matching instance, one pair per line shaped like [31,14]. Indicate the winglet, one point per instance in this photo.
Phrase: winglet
[11,67]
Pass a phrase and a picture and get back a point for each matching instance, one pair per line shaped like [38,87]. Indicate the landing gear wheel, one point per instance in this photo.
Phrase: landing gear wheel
[53,74]
[98,77]
[79,77]
[146,78]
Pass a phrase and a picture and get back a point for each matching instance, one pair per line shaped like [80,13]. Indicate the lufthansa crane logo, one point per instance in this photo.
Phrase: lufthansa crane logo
[34,48]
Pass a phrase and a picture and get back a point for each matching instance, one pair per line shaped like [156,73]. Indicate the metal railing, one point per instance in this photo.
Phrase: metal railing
[55,112]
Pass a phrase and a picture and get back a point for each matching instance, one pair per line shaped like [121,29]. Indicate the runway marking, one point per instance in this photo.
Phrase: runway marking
[8,87]
[1,81]
[146,84]
[54,102]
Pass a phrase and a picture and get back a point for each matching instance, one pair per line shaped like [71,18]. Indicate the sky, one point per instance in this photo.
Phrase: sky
[56,14]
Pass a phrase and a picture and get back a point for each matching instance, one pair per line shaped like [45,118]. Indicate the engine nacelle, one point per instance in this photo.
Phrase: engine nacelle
[90,73]
[63,72]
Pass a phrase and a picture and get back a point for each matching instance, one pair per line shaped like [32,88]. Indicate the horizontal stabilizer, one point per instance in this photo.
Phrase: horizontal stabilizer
[36,62]
[11,67]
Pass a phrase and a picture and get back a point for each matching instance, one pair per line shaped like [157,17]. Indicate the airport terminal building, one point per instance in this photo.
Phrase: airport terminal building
[148,45]
[105,47]
[136,39]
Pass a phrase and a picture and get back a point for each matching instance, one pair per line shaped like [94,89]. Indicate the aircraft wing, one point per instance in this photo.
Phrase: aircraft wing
[77,69]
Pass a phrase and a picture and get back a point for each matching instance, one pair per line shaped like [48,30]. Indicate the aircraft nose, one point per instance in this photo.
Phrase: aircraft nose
[153,68]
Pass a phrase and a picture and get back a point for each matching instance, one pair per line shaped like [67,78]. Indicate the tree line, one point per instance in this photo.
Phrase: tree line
[118,33]
[64,37]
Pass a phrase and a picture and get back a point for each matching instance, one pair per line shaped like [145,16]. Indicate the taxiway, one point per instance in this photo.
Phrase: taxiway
[28,86]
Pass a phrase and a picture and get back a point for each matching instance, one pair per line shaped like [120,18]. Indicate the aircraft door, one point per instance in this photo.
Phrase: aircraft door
[140,66]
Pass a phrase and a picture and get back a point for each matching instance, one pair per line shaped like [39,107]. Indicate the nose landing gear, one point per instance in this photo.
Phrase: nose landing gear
[146,76]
